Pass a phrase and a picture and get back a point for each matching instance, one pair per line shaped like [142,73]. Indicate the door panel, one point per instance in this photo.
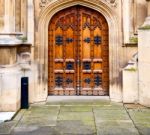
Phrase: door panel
[78,53]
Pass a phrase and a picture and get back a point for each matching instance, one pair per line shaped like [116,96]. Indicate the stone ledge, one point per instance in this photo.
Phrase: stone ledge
[130,45]
[9,39]
[146,27]
[11,33]
[12,39]
[15,44]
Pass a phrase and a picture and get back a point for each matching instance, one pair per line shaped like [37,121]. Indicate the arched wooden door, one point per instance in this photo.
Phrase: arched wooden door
[78,53]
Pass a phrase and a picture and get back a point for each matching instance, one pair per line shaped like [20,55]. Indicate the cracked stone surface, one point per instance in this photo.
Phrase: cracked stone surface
[90,117]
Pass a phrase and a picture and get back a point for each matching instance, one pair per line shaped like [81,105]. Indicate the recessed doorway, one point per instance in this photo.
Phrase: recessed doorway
[78,53]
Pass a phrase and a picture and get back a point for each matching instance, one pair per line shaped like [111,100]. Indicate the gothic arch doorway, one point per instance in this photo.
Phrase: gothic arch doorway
[78,53]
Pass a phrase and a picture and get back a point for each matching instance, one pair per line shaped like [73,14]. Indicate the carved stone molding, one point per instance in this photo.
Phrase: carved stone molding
[112,3]
[102,6]
[43,3]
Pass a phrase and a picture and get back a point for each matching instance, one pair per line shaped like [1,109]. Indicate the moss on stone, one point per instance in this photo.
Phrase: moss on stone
[22,38]
[146,27]
[131,69]
[133,40]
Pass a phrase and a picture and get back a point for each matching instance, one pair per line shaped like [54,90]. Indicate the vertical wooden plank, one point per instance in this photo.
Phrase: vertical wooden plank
[86,45]
[97,47]
[58,48]
[69,44]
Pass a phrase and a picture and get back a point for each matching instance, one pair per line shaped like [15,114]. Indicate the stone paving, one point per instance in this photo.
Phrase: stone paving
[94,117]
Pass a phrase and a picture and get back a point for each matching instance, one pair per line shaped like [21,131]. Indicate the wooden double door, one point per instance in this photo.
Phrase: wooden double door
[78,53]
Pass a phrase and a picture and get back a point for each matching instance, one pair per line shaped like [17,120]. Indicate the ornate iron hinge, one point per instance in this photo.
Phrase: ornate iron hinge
[87,40]
[68,81]
[97,80]
[69,65]
[97,40]
[87,65]
[87,80]
[59,40]
[69,40]
[58,81]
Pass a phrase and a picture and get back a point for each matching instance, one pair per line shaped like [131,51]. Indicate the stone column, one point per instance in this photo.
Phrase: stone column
[24,18]
[2,12]
[147,21]
[129,19]
[18,15]
[148,7]
[9,21]
[30,21]
[127,14]
[144,61]
[15,16]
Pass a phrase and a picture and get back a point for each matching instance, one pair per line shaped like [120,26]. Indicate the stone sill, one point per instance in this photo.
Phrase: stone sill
[12,39]
[26,44]
[146,27]
[17,44]
[130,45]
[3,67]
[11,33]
[130,69]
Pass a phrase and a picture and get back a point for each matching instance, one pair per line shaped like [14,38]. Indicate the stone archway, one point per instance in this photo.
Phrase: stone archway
[114,42]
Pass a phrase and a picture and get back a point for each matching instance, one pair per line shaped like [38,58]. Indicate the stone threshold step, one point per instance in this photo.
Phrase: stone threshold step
[75,98]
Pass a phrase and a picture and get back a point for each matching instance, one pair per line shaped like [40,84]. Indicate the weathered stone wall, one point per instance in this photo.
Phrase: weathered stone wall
[112,12]
[144,67]
[18,15]
[124,51]
[31,17]
[24,18]
[15,52]
[134,13]
[8,55]
[141,14]
[2,15]
[10,88]
[130,81]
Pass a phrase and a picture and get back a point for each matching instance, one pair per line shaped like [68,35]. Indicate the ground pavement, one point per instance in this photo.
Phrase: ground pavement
[80,117]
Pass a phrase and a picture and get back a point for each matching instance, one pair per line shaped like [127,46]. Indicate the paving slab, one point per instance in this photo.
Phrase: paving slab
[111,106]
[19,115]
[141,119]
[76,108]
[75,127]
[110,115]
[90,117]
[113,119]
[116,128]
[43,109]
[85,116]
[39,116]
[6,127]
[45,130]
[36,121]
[134,106]
[77,103]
